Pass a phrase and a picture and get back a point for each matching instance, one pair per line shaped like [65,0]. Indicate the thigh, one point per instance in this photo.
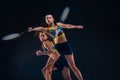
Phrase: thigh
[70,59]
[52,59]
[61,63]
[66,71]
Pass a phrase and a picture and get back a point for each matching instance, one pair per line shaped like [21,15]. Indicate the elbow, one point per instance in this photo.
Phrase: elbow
[68,27]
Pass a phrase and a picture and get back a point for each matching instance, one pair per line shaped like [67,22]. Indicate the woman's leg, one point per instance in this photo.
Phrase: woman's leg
[51,60]
[44,71]
[66,73]
[70,59]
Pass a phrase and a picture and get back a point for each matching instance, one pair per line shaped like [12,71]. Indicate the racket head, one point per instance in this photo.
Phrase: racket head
[65,14]
[11,36]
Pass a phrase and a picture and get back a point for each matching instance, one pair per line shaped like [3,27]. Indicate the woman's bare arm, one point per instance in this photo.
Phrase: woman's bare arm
[49,48]
[69,26]
[30,29]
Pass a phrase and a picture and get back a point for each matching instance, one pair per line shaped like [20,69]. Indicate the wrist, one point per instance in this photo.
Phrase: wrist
[33,29]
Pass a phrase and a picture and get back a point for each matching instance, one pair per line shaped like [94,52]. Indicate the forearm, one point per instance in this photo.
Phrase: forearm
[70,26]
[41,29]
[37,29]
[46,52]
[30,29]
[39,52]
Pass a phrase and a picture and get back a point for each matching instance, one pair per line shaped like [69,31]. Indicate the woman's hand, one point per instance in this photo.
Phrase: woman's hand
[39,52]
[30,29]
[80,27]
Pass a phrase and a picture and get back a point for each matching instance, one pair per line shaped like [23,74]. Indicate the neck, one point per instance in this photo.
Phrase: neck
[43,40]
[52,24]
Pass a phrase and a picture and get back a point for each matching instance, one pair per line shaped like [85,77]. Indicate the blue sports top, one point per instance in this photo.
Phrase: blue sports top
[56,32]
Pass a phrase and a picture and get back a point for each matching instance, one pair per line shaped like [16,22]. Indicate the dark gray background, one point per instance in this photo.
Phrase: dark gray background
[95,48]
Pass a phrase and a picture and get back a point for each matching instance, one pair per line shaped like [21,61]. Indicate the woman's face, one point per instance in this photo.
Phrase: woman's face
[49,19]
[43,36]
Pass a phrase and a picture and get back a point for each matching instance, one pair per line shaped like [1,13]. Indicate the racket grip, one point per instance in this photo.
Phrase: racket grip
[23,32]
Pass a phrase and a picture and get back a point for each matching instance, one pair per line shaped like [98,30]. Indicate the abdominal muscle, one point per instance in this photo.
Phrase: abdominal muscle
[60,40]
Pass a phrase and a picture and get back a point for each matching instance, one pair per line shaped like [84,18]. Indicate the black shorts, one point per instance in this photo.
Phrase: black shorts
[64,48]
[61,63]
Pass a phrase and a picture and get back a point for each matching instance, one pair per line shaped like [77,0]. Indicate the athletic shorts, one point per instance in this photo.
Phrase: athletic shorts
[64,48]
[61,63]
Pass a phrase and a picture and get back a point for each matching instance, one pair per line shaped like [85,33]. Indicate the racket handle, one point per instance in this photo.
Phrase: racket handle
[23,32]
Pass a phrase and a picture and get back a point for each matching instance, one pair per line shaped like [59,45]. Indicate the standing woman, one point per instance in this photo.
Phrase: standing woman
[61,43]
[53,54]
[61,64]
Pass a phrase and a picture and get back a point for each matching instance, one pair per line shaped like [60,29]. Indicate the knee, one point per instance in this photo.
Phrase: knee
[43,70]
[66,74]
[48,70]
[73,66]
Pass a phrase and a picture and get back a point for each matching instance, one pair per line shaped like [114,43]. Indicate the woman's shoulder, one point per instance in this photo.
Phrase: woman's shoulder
[59,24]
